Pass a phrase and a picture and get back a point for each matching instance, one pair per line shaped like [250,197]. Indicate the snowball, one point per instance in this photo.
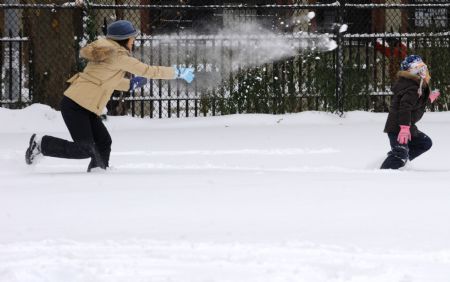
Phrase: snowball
[343,28]
[311,15]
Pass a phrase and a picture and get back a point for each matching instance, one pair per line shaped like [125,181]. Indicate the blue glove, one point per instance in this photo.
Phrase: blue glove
[184,73]
[136,82]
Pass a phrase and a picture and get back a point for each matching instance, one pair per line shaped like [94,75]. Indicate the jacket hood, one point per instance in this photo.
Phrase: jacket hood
[102,50]
[408,75]
[415,77]
[411,79]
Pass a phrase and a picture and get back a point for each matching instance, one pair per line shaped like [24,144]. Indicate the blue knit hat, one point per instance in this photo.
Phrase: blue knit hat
[415,65]
[121,30]
[410,61]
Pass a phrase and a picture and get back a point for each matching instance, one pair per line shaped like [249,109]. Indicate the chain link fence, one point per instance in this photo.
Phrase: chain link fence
[250,57]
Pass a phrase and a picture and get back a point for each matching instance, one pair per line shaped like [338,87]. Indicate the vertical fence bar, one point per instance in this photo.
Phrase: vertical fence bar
[253,102]
[1,73]
[291,86]
[20,70]
[151,102]
[275,88]
[340,62]
[283,87]
[30,70]
[160,108]
[10,86]
[358,62]
[177,82]
[203,91]
[308,81]
[446,100]
[375,70]
[186,45]
[266,85]
[231,82]
[133,101]
[431,63]
[222,80]
[300,82]
[239,81]
[169,85]
[213,71]
[416,44]
[408,45]
[383,63]
[368,74]
[195,82]
[142,104]
[353,97]
[391,60]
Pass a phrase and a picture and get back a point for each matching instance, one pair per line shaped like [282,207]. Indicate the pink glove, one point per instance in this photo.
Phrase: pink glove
[434,95]
[404,135]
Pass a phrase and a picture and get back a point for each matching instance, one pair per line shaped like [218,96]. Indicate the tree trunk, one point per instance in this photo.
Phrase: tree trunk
[119,12]
[2,21]
[52,35]
[405,18]
[379,18]
[146,18]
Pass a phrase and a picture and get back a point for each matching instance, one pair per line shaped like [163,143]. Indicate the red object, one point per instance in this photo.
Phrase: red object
[399,51]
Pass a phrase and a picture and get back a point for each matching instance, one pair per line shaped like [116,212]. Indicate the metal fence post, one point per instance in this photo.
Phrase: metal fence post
[1,73]
[20,68]
[12,71]
[30,71]
[339,60]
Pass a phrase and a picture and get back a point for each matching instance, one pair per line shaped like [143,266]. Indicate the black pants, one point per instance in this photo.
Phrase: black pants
[401,153]
[90,137]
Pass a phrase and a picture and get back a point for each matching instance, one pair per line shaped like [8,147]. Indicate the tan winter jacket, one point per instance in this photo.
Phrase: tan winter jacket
[107,64]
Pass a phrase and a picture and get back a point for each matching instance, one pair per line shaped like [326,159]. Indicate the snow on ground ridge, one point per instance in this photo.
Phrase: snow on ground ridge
[172,261]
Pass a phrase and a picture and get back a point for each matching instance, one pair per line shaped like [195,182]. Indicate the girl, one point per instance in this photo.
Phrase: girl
[83,102]
[411,93]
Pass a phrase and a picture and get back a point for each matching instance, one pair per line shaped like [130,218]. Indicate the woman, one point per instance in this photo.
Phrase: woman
[411,94]
[83,102]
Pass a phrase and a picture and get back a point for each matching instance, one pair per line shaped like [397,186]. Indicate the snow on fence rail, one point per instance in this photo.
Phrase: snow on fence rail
[397,6]
[69,5]
[14,39]
[337,4]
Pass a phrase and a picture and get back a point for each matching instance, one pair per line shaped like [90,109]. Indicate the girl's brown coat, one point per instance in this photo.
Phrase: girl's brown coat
[407,106]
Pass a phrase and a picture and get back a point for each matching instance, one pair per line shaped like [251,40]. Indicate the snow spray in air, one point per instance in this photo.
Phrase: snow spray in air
[239,46]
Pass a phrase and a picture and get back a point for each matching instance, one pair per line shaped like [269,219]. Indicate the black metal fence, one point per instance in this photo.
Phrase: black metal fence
[15,90]
[252,57]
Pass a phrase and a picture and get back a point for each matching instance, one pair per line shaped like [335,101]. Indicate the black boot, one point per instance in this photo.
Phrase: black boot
[397,157]
[95,164]
[96,159]
[393,162]
[34,150]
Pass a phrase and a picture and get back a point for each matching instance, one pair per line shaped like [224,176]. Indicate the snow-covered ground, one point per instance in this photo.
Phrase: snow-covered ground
[249,198]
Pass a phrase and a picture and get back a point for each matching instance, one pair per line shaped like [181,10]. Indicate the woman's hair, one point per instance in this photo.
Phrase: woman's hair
[123,43]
